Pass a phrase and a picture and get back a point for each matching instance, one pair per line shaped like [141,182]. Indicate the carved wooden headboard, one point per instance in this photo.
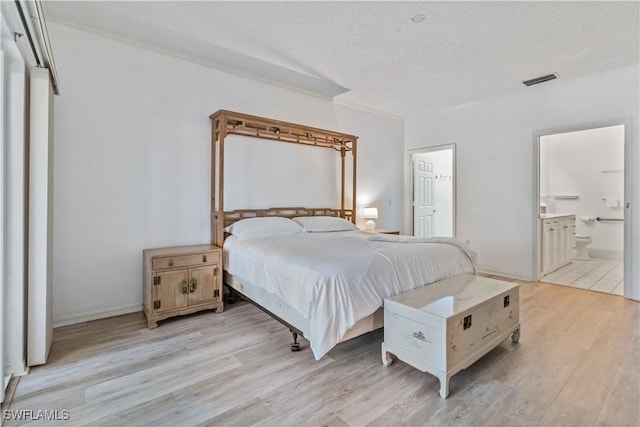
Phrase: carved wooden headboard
[231,123]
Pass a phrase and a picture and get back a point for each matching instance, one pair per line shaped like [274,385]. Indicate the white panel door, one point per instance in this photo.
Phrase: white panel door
[39,307]
[423,187]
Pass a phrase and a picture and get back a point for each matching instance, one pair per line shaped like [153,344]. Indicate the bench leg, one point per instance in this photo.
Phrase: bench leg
[444,385]
[515,336]
[387,358]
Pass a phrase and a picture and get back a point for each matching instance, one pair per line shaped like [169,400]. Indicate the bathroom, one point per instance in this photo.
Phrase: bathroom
[582,174]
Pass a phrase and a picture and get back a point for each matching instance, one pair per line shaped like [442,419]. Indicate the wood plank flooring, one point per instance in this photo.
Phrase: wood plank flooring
[577,363]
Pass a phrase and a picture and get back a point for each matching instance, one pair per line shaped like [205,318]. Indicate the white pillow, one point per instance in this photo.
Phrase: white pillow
[264,226]
[314,224]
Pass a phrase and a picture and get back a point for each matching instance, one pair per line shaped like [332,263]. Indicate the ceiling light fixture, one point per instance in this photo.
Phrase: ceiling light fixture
[418,18]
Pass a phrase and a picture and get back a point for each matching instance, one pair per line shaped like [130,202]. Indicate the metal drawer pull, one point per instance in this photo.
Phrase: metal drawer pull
[204,258]
[419,335]
[185,288]
[194,285]
[171,263]
[466,322]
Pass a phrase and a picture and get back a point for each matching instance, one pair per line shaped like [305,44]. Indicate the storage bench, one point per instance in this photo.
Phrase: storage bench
[443,327]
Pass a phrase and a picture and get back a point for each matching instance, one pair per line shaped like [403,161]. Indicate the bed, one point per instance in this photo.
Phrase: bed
[326,282]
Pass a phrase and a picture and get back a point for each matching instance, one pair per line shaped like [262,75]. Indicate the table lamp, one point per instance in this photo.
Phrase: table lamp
[370,214]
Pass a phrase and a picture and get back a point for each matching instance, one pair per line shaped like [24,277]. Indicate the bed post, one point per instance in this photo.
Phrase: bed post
[213,220]
[353,196]
[342,183]
[223,135]
[219,125]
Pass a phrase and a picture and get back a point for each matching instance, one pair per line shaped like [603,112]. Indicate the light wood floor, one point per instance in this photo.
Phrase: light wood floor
[577,363]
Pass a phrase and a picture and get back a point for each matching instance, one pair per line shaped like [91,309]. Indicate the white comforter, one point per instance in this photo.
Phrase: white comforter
[335,279]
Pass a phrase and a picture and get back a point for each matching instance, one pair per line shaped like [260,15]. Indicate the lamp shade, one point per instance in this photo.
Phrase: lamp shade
[370,213]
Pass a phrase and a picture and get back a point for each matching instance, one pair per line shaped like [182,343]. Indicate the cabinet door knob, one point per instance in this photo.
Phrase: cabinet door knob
[194,285]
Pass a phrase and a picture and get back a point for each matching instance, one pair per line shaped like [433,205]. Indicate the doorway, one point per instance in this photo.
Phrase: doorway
[581,215]
[433,191]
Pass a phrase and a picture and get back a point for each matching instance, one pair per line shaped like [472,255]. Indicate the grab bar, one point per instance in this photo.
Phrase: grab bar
[608,219]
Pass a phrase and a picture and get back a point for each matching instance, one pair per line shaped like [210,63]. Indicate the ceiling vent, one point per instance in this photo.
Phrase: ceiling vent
[541,79]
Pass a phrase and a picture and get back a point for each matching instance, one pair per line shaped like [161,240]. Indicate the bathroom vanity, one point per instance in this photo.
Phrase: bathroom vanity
[558,241]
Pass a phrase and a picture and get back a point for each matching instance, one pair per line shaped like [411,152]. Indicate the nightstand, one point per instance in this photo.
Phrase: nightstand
[181,280]
[383,231]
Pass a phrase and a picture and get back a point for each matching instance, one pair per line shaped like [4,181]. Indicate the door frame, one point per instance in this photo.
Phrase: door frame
[409,184]
[3,385]
[628,195]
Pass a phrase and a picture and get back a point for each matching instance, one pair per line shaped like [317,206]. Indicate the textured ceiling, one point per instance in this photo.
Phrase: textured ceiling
[371,53]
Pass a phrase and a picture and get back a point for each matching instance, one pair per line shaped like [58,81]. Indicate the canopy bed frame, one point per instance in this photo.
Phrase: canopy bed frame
[225,123]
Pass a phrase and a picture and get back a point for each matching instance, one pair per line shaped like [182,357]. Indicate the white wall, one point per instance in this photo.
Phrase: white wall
[267,168]
[380,164]
[132,158]
[495,158]
[575,165]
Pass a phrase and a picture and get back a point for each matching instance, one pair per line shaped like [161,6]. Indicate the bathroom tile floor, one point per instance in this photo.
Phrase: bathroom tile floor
[602,275]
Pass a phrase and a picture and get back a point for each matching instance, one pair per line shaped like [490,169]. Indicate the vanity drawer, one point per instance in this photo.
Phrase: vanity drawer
[186,260]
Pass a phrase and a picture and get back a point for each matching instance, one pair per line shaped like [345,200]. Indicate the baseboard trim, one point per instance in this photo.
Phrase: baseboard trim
[17,369]
[606,254]
[506,274]
[72,319]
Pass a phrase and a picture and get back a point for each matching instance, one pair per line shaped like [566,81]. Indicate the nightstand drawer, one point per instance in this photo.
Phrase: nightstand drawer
[185,261]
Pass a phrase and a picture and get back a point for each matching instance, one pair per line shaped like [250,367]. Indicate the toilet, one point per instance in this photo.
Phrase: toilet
[582,240]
